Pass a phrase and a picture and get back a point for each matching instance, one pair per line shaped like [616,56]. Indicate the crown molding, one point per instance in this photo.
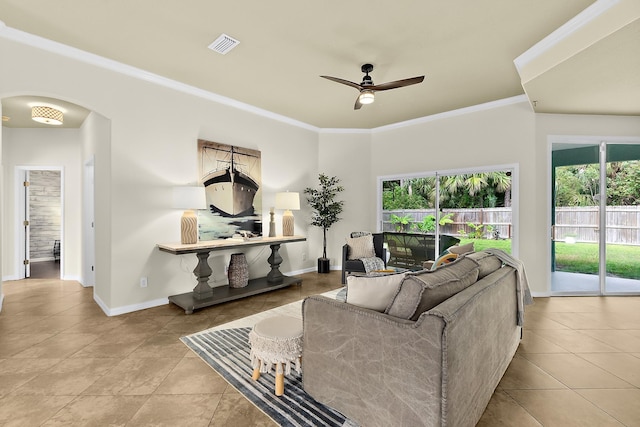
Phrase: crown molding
[454,113]
[346,130]
[576,23]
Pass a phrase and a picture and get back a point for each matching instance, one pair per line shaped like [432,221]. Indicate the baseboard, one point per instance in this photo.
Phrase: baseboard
[84,285]
[41,259]
[8,278]
[540,294]
[129,308]
[302,271]
[1,300]
[74,278]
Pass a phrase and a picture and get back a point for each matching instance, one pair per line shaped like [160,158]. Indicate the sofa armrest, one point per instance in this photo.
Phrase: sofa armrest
[374,368]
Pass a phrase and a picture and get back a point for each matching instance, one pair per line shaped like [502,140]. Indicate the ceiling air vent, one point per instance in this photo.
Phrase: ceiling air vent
[223,44]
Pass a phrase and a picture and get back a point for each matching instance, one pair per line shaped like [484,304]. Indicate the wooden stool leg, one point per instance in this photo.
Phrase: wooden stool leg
[256,372]
[279,384]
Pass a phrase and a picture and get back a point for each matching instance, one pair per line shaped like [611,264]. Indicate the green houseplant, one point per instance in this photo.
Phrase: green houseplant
[325,211]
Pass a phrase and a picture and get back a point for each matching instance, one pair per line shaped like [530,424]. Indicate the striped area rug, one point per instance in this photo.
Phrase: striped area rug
[227,352]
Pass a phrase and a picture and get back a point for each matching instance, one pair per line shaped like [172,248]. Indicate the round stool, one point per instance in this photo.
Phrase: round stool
[276,341]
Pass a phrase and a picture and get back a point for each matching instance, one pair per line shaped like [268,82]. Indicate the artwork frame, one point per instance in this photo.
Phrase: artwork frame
[232,177]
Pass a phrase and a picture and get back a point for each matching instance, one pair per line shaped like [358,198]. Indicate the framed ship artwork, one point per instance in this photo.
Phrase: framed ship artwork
[232,178]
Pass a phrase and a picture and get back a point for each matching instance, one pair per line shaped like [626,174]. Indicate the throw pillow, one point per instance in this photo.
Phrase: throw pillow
[421,291]
[444,259]
[361,247]
[459,250]
[375,292]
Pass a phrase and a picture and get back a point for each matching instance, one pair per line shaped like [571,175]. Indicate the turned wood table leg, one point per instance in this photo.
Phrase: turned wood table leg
[202,273]
[275,276]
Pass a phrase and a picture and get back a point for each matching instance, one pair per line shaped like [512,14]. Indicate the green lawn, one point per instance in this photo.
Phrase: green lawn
[481,244]
[622,260]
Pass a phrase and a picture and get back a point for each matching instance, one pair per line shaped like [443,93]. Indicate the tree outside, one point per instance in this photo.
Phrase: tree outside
[477,190]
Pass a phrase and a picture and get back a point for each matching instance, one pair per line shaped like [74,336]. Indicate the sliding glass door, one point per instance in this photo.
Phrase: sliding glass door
[622,225]
[422,215]
[595,238]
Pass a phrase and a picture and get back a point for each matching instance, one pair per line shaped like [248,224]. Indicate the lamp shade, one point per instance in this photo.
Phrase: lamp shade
[189,198]
[288,201]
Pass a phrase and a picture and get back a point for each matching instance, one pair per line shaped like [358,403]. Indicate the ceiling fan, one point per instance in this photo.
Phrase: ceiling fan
[367,88]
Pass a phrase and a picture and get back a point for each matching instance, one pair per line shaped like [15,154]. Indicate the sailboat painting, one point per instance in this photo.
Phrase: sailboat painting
[232,179]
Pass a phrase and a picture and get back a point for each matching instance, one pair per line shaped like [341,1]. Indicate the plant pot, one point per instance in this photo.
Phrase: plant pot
[323,265]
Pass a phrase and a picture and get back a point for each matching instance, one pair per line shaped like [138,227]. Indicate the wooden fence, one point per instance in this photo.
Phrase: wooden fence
[579,223]
[498,218]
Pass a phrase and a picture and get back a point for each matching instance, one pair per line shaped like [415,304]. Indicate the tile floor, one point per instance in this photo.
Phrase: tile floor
[64,363]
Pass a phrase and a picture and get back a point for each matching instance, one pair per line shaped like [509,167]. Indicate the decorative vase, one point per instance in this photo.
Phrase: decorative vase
[323,265]
[238,272]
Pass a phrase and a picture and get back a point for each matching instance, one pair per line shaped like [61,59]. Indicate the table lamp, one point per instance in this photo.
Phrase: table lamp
[288,201]
[190,199]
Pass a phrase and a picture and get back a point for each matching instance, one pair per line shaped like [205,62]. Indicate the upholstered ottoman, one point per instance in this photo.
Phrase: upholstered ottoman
[276,341]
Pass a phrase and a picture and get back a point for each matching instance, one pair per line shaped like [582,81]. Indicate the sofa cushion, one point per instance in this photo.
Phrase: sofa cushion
[361,247]
[375,292]
[423,290]
[488,263]
[459,250]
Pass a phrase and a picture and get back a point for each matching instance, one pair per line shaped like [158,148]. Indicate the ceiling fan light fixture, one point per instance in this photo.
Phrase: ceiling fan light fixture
[46,115]
[366,97]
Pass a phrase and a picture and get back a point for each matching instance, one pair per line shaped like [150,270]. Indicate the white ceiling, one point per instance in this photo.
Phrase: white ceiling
[465,48]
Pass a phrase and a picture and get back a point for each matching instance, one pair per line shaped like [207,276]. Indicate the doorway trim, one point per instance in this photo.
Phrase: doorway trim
[19,214]
[577,140]
[88,225]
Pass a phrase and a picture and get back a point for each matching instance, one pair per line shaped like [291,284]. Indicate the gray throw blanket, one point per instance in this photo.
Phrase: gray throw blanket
[522,288]
[372,264]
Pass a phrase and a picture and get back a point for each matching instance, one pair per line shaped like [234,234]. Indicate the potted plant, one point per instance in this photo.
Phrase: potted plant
[325,211]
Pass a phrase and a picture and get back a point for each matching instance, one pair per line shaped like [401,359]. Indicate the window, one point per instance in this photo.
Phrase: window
[423,214]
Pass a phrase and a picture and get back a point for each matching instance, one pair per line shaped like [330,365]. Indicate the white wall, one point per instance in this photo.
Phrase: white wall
[144,139]
[2,196]
[348,157]
[43,148]
[487,137]
[153,135]
[96,147]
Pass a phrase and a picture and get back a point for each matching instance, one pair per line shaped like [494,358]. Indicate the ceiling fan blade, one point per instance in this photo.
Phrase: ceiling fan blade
[358,104]
[343,81]
[397,84]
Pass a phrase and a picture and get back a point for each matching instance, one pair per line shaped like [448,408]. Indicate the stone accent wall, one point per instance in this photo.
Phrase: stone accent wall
[45,213]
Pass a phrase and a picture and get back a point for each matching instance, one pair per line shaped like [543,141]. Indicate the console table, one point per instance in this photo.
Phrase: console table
[204,295]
